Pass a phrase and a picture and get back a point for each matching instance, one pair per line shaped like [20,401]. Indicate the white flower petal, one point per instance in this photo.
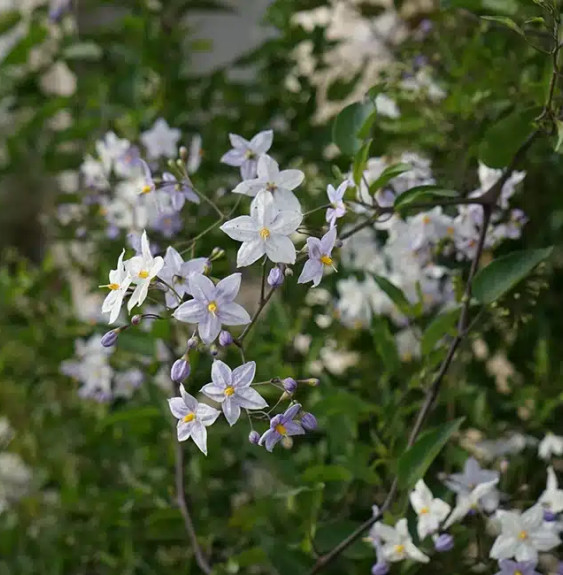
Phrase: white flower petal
[243,375]
[231,410]
[228,288]
[202,288]
[221,374]
[209,328]
[199,435]
[249,398]
[290,179]
[241,229]
[233,314]
[249,252]
[178,407]
[280,249]
[191,311]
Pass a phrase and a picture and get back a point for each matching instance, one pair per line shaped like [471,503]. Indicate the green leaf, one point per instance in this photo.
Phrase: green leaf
[348,124]
[423,194]
[136,413]
[395,294]
[505,21]
[83,51]
[504,273]
[360,162]
[323,473]
[559,144]
[385,345]
[414,463]
[388,174]
[8,20]
[440,326]
[502,140]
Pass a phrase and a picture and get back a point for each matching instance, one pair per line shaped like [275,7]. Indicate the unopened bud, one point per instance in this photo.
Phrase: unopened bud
[109,338]
[287,272]
[171,164]
[225,338]
[549,516]
[380,568]
[136,319]
[179,163]
[444,542]
[193,342]
[309,421]
[184,154]
[213,350]
[254,437]
[180,370]
[289,384]
[312,381]
[287,442]
[275,277]
[216,254]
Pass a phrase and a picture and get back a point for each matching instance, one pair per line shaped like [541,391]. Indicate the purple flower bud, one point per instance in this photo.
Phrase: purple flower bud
[225,338]
[275,277]
[110,338]
[309,421]
[549,515]
[254,437]
[380,568]
[444,542]
[289,384]
[180,370]
[136,319]
[192,342]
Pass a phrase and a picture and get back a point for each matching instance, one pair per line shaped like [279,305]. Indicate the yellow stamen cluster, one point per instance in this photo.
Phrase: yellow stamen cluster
[424,511]
[326,260]
[188,418]
[426,220]
[229,391]
[399,548]
[113,286]
[144,274]
[264,233]
[212,307]
[146,189]
[523,535]
[281,429]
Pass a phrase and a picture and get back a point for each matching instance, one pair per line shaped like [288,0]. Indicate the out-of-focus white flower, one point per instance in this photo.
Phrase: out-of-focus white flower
[59,80]
[385,106]
[398,543]
[430,510]
[15,479]
[408,343]
[552,498]
[246,154]
[470,501]
[550,445]
[161,140]
[119,282]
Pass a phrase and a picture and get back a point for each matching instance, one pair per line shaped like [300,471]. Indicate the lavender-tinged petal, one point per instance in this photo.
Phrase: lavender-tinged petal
[269,439]
[314,248]
[202,288]
[209,328]
[184,430]
[268,168]
[312,271]
[290,179]
[249,252]
[248,169]
[189,400]
[243,375]
[199,435]
[250,187]
[241,229]
[249,398]
[280,249]
[191,311]
[294,428]
[262,142]
[207,414]
[195,266]
[221,374]
[178,200]
[328,241]
[286,200]
[286,222]
[227,289]
[214,392]
[190,195]
[233,314]
[291,412]
[238,141]
[234,157]
[231,409]
[173,258]
[178,407]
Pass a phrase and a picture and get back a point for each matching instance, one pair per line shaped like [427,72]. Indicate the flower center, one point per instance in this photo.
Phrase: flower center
[523,535]
[281,429]
[212,306]
[271,187]
[399,548]
[249,154]
[517,572]
[264,233]
[424,511]
[144,274]
[146,189]
[229,391]
[426,220]
[113,286]
[326,260]
[188,418]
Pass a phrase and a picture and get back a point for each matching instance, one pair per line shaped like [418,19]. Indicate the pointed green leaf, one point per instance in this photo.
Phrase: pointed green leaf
[440,326]
[423,194]
[388,174]
[395,294]
[504,273]
[505,21]
[360,162]
[347,126]
[414,463]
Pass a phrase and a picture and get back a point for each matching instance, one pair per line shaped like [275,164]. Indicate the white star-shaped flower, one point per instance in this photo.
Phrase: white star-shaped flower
[265,231]
[550,445]
[552,498]
[161,140]
[431,511]
[193,417]
[280,184]
[398,543]
[246,154]
[523,535]
[232,389]
[119,281]
[470,501]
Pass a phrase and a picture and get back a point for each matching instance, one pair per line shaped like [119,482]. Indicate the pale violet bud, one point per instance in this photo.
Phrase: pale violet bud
[287,272]
[136,319]
[309,421]
[312,381]
[380,568]
[444,542]
[225,338]
[109,338]
[192,342]
[254,437]
[289,384]
[275,277]
[549,515]
[180,370]
[213,350]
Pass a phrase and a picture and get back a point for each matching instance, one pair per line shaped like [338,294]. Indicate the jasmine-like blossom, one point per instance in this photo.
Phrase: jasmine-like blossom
[110,149]
[142,269]
[178,190]
[320,256]
[168,224]
[431,511]
[232,389]
[523,535]
[212,306]
[161,140]
[337,207]
[265,231]
[282,425]
[508,567]
[279,184]
[550,445]
[176,273]
[193,418]
[119,281]
[472,476]
[245,154]
[397,542]
[552,498]
[468,502]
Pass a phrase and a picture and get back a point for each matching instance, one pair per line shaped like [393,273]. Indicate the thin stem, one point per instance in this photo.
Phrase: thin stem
[256,315]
